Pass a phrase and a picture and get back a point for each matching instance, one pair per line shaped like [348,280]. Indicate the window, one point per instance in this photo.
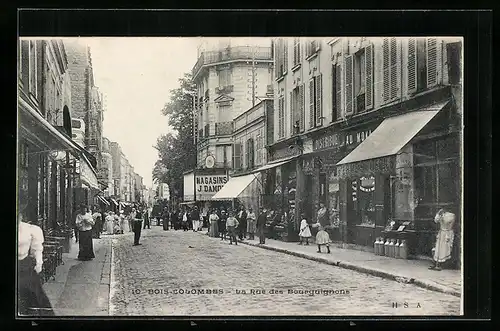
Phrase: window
[258,149]
[390,69]
[315,101]
[250,153]
[312,47]
[297,109]
[296,52]
[423,64]
[224,77]
[281,117]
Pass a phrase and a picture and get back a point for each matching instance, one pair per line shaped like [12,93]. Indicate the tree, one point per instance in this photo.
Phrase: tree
[176,151]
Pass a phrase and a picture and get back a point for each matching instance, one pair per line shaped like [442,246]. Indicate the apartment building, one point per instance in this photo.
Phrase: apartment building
[371,127]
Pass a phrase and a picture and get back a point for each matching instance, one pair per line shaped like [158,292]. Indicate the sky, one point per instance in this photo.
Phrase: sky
[135,76]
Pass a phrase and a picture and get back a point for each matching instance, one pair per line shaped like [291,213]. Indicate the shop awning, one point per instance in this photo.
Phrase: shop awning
[103,200]
[234,187]
[392,135]
[274,164]
[87,173]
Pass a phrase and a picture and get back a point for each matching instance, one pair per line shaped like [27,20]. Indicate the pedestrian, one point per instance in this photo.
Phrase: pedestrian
[31,294]
[110,222]
[444,238]
[261,225]
[84,222]
[305,231]
[185,221]
[232,228]
[146,218]
[137,217]
[222,224]
[242,218]
[117,223]
[214,229]
[251,219]
[322,238]
[195,218]
[97,223]
[125,221]
[166,218]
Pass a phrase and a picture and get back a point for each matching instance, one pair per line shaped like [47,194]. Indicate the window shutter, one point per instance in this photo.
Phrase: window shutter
[298,51]
[277,58]
[236,156]
[311,103]
[319,98]
[369,77]
[295,52]
[247,154]
[394,69]
[412,65]
[386,68]
[280,118]
[301,103]
[285,56]
[338,87]
[349,88]
[432,62]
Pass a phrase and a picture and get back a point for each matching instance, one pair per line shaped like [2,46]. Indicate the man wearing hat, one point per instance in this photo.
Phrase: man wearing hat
[261,225]
[137,220]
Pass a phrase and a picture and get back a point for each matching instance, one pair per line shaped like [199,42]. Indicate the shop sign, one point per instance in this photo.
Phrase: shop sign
[209,184]
[339,139]
[284,153]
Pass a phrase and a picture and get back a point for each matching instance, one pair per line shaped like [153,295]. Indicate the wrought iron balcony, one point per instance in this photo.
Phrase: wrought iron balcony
[232,54]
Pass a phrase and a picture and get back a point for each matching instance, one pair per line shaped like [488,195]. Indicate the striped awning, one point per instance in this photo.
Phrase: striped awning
[100,198]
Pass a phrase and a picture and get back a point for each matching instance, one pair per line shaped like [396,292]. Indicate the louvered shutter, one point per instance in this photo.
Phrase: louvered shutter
[394,68]
[301,103]
[281,124]
[311,103]
[247,154]
[285,56]
[412,65]
[385,69]
[432,62]
[338,87]
[236,156]
[369,77]
[349,88]
[319,99]
[295,61]
[277,58]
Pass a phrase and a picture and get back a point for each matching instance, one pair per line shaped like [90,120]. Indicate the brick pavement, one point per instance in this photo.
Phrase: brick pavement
[414,271]
[165,275]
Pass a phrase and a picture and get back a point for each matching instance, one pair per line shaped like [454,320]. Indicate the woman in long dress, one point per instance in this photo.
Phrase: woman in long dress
[124,223]
[444,238]
[31,296]
[251,224]
[214,229]
[110,223]
[85,222]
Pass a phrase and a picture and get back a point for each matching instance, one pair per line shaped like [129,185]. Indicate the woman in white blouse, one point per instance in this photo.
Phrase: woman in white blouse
[85,222]
[31,295]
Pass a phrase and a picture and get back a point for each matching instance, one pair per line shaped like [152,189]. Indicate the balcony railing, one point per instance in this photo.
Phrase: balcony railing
[223,128]
[231,54]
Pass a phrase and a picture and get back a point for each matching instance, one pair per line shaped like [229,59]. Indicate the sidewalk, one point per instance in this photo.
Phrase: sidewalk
[82,287]
[408,271]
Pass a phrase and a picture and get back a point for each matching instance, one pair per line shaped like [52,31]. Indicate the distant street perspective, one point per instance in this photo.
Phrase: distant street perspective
[240,176]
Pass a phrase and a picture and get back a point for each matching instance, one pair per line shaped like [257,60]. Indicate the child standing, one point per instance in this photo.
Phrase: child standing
[232,226]
[322,238]
[305,232]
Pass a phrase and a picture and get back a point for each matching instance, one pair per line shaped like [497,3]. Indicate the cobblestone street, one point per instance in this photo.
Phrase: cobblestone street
[169,272]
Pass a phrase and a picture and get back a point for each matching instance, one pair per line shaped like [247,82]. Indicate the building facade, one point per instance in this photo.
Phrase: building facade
[52,168]
[371,127]
[107,163]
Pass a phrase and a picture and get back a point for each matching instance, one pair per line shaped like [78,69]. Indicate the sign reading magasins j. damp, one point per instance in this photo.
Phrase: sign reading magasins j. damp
[209,184]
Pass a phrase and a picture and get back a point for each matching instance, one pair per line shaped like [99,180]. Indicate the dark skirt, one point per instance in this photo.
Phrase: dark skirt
[222,226]
[32,299]
[86,246]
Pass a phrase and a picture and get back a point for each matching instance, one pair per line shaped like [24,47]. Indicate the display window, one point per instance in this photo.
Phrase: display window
[366,197]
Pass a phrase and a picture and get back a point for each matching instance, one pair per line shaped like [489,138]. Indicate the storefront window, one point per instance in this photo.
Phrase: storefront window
[366,196]
[333,198]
